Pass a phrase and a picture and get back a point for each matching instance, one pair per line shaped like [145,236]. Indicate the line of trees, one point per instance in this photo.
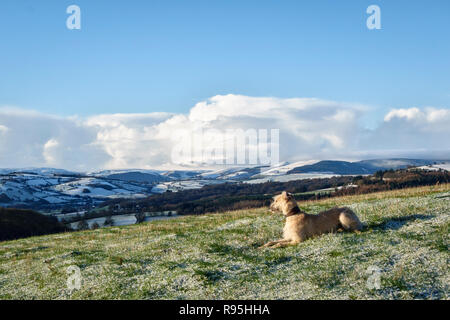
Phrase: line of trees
[18,223]
[227,196]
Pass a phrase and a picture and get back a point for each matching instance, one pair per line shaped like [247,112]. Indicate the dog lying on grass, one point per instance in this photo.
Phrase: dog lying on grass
[301,225]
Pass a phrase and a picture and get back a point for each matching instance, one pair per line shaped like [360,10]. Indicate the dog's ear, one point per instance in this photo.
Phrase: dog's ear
[286,195]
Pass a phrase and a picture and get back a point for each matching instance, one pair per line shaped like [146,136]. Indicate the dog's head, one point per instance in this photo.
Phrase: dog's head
[282,202]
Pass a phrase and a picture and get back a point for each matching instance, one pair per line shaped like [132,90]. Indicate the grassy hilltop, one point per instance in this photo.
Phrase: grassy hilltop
[215,256]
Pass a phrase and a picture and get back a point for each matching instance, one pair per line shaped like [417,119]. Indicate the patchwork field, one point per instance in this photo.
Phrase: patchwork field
[401,254]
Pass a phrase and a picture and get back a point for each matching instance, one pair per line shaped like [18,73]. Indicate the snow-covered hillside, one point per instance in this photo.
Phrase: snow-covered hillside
[436,167]
[284,167]
[51,190]
[48,188]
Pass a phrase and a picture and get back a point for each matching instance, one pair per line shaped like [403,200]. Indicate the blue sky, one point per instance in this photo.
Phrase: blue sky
[145,56]
[115,93]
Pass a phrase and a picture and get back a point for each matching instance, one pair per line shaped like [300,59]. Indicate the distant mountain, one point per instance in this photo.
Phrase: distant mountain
[182,174]
[284,167]
[233,173]
[359,167]
[37,171]
[136,176]
[335,167]
[105,173]
[383,164]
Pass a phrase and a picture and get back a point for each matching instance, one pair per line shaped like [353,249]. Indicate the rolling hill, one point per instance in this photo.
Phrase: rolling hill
[359,167]
[404,245]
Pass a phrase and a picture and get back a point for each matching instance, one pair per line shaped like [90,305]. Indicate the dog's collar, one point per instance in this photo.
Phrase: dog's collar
[294,211]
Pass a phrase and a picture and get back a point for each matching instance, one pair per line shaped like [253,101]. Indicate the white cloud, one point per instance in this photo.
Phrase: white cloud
[309,129]
[49,147]
[427,115]
[30,131]
[438,115]
[408,114]
[425,129]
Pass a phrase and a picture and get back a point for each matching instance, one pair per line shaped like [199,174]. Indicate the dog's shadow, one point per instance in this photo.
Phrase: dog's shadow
[395,223]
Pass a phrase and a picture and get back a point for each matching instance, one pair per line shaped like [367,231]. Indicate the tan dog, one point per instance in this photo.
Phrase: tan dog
[301,225]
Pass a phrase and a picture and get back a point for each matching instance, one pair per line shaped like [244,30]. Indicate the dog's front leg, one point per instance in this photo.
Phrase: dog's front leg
[273,243]
[286,243]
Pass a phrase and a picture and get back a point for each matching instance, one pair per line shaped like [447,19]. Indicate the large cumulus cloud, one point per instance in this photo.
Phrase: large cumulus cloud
[35,139]
[423,131]
[308,129]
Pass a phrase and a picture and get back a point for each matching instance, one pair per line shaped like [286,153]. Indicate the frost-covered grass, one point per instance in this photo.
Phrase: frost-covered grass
[215,256]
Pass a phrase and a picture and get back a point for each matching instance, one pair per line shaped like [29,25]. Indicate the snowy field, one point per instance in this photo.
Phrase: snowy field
[436,167]
[184,185]
[118,220]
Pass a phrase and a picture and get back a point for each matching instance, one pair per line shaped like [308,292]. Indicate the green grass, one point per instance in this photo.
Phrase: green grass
[215,256]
